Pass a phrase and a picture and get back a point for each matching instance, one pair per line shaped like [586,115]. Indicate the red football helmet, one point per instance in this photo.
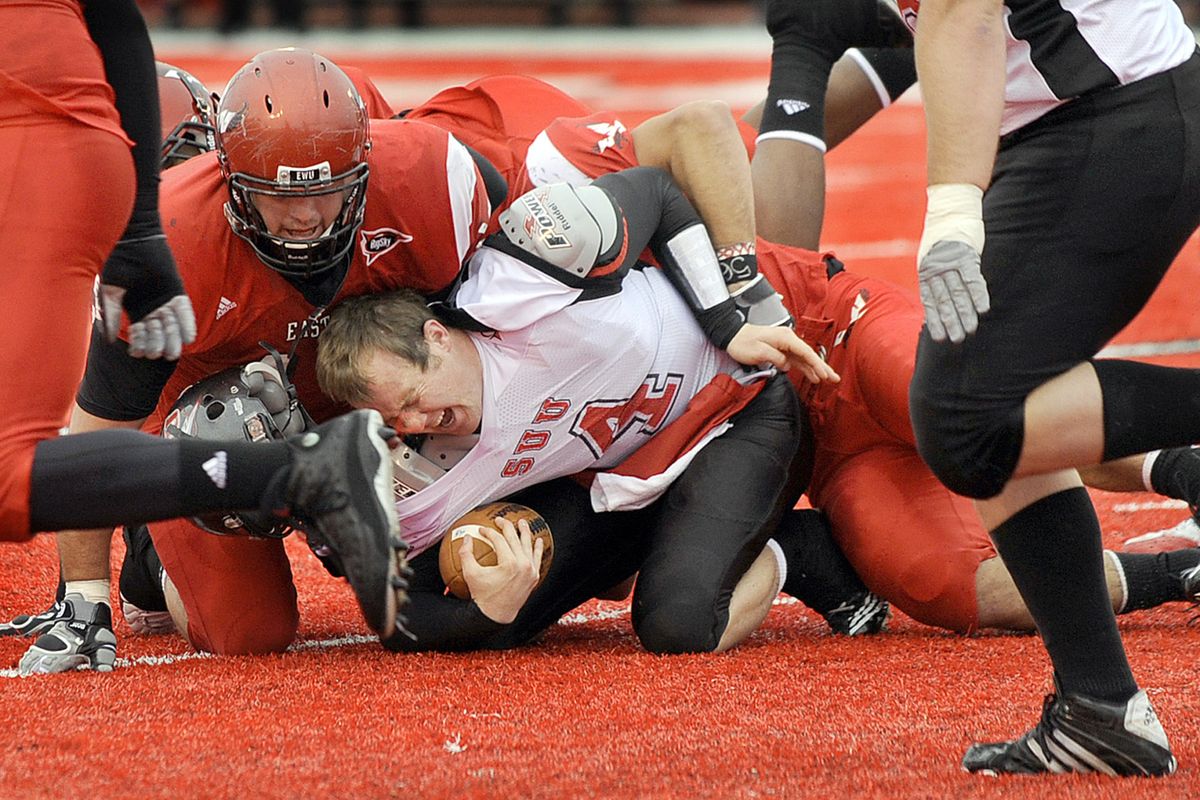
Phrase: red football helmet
[291,124]
[186,107]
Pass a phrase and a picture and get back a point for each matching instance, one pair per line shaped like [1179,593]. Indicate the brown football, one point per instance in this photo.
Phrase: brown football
[469,524]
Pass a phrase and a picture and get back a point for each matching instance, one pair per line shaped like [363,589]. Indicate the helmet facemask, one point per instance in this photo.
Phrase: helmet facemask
[290,124]
[188,139]
[299,258]
[186,109]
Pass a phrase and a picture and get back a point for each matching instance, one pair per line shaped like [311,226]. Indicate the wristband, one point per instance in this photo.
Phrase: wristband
[738,262]
[953,213]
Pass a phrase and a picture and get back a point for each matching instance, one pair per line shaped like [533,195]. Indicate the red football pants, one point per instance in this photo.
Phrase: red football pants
[237,591]
[66,192]
[912,540]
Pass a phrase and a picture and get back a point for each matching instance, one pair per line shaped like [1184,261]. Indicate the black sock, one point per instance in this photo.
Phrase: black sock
[141,572]
[247,472]
[1147,407]
[107,478]
[1053,551]
[818,573]
[807,37]
[1152,579]
[1176,473]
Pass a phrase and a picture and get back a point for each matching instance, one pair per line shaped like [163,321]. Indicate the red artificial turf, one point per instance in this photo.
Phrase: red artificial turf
[792,713]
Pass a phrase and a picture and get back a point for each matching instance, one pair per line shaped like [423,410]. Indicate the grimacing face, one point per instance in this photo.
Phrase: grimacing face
[444,398]
[298,217]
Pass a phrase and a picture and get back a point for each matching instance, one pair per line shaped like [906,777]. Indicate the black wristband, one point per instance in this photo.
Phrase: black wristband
[721,322]
[738,263]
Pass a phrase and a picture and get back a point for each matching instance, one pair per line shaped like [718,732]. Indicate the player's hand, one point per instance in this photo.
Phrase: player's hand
[953,289]
[83,639]
[501,591]
[759,303]
[140,278]
[34,624]
[781,347]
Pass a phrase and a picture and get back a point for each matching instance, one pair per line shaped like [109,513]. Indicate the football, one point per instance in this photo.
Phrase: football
[469,525]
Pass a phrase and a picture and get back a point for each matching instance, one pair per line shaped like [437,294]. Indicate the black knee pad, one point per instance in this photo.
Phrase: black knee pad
[972,448]
[808,36]
[896,68]
[836,25]
[675,627]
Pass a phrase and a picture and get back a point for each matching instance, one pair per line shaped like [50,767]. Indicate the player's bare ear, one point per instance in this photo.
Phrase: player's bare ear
[436,334]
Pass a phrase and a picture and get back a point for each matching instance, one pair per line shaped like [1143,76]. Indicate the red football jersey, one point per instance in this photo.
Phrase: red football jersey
[499,116]
[426,211]
[373,99]
[534,133]
[33,82]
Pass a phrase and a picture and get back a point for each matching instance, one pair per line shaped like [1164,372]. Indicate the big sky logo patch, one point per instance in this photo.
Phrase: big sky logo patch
[379,241]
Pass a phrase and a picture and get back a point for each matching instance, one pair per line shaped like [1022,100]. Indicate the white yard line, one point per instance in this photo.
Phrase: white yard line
[335,643]
[600,44]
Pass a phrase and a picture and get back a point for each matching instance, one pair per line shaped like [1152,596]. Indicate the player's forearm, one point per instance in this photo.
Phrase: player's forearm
[960,52]
[83,422]
[118,387]
[699,145]
[444,623]
[117,28]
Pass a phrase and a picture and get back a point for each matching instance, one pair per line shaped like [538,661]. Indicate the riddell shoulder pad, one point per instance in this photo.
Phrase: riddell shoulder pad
[570,228]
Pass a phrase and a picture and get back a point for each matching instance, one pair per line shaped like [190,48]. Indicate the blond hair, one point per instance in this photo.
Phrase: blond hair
[392,322]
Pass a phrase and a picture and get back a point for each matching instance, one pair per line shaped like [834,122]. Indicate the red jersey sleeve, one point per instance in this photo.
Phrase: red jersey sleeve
[427,210]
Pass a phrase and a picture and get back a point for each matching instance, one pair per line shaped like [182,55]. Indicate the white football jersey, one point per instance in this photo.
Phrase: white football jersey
[1061,49]
[568,386]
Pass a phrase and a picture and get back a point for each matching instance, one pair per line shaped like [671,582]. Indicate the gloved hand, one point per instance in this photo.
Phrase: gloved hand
[83,639]
[140,277]
[953,290]
[34,624]
[760,304]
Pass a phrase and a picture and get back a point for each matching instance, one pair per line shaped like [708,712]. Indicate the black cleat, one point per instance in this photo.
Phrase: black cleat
[1082,734]
[820,576]
[860,615]
[339,486]
[1189,580]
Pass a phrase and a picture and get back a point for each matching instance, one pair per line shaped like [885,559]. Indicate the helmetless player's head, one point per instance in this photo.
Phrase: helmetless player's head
[292,141]
[389,352]
[186,109]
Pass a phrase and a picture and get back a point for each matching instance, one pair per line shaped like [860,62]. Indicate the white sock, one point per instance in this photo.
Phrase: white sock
[780,564]
[1147,467]
[1120,570]
[92,591]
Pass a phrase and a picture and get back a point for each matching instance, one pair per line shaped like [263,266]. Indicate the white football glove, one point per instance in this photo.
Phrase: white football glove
[953,289]
[140,278]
